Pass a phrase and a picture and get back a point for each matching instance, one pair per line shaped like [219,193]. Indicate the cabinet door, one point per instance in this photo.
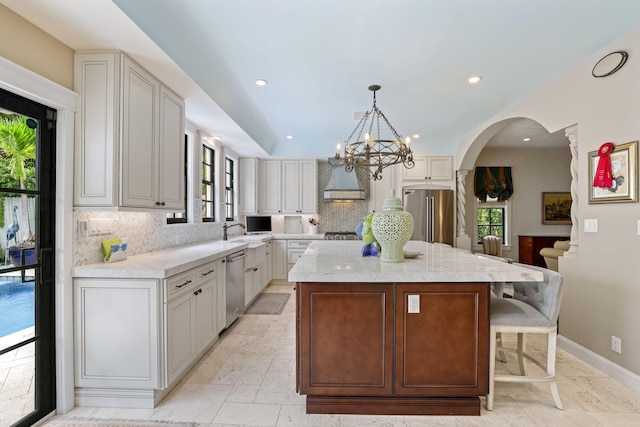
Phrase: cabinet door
[271,186]
[280,259]
[308,191]
[139,154]
[248,286]
[346,339]
[290,187]
[418,172]
[440,167]
[258,281]
[117,333]
[441,343]
[248,193]
[171,151]
[268,266]
[96,136]
[181,340]
[206,307]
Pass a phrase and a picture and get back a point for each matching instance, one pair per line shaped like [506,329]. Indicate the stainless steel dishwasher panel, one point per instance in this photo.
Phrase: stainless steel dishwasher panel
[235,285]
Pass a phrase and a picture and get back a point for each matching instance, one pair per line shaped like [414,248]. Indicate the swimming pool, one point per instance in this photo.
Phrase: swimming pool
[16,306]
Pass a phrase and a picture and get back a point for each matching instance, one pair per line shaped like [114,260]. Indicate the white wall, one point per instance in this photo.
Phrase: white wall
[602,289]
[534,172]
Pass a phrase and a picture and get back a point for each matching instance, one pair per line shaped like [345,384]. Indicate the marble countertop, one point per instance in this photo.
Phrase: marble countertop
[164,263]
[340,261]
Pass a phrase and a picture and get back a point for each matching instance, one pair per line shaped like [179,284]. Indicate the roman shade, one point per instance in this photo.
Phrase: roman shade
[494,182]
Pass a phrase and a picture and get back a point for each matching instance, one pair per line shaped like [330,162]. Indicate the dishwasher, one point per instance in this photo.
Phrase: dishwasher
[235,285]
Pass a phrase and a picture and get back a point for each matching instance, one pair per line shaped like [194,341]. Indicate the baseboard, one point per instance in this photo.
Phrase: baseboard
[615,371]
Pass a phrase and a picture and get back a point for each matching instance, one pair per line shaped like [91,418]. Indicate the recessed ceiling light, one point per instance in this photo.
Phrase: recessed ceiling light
[416,135]
[217,138]
[474,79]
[289,136]
[261,82]
[527,139]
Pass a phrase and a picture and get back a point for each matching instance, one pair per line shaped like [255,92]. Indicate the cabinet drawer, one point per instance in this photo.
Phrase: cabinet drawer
[255,255]
[296,244]
[176,285]
[206,272]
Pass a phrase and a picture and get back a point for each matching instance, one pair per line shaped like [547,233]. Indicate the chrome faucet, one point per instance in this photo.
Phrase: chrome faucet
[226,226]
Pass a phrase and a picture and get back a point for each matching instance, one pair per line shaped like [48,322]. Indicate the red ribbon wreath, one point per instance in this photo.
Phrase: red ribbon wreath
[603,178]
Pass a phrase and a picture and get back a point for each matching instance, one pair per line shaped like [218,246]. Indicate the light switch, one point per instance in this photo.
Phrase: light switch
[590,225]
[414,304]
[100,226]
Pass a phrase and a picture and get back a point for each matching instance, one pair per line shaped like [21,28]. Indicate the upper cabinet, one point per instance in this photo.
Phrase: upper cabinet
[248,193]
[429,168]
[129,136]
[299,186]
[272,186]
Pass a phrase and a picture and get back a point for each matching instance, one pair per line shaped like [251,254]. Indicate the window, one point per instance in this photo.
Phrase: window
[491,219]
[208,187]
[181,217]
[229,190]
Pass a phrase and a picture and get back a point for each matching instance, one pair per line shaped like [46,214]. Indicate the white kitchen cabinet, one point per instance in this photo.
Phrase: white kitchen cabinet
[429,168]
[205,293]
[253,273]
[138,337]
[129,136]
[272,186]
[117,334]
[268,265]
[280,263]
[299,186]
[295,249]
[180,314]
[249,191]
[381,189]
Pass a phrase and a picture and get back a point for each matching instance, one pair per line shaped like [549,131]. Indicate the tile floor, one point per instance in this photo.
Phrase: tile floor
[248,379]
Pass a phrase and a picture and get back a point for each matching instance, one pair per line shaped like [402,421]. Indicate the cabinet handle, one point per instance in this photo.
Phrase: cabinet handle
[184,284]
[208,272]
[255,269]
[199,291]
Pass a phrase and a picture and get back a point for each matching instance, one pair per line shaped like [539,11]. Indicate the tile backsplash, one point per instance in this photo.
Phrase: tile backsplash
[144,231]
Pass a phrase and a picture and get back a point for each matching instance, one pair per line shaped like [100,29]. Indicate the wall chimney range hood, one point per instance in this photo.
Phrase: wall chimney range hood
[342,185]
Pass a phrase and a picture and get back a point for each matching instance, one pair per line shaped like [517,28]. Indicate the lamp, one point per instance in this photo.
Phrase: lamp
[375,153]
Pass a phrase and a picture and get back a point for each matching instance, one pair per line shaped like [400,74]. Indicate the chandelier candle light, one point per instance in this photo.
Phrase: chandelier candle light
[377,153]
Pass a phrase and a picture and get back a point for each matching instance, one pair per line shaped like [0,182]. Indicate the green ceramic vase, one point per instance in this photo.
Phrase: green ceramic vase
[392,227]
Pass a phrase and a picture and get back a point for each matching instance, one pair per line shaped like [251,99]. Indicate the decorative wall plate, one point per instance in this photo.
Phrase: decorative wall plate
[609,64]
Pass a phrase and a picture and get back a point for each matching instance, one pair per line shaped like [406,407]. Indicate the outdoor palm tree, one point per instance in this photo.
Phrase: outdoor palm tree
[17,149]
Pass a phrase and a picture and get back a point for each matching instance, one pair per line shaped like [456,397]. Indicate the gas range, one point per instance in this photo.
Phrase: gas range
[340,235]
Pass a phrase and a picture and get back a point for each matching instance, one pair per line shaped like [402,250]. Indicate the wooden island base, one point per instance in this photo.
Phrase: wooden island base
[392,406]
[363,348]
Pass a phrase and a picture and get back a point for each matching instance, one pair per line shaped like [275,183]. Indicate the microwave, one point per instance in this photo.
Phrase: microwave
[258,224]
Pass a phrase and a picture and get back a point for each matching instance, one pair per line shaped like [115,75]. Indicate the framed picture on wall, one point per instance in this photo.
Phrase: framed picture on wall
[556,208]
[624,168]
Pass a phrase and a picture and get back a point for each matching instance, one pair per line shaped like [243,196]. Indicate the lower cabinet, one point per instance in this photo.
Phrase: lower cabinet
[135,338]
[392,348]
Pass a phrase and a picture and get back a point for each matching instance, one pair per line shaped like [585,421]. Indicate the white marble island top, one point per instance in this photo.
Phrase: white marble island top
[341,261]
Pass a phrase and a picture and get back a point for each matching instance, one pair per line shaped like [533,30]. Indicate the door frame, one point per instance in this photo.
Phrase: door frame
[21,81]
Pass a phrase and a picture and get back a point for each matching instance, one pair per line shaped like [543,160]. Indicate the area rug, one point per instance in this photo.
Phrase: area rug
[268,303]
[86,422]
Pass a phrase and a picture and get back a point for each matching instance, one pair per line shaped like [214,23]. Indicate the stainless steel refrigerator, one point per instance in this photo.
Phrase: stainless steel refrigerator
[432,211]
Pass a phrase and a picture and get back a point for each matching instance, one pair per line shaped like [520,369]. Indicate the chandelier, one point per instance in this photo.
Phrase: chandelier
[375,152]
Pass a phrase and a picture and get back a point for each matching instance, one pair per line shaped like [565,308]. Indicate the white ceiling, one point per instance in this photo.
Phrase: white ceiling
[320,56]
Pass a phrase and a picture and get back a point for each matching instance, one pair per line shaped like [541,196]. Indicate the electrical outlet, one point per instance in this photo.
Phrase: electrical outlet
[414,304]
[616,344]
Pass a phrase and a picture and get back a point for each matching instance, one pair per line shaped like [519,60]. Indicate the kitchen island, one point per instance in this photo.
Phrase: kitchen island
[405,338]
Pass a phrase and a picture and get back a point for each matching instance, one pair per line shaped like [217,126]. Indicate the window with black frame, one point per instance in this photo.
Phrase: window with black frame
[208,184]
[229,190]
[181,217]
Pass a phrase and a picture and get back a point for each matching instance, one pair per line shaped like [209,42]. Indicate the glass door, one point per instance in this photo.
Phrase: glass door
[27,232]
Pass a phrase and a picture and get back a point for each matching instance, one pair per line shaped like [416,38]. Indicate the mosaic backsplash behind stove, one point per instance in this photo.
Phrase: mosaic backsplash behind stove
[342,215]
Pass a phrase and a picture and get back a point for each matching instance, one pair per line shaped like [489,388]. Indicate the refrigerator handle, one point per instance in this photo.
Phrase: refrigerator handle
[430,219]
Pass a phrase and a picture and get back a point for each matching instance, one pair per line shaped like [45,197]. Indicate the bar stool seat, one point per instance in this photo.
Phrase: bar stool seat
[534,308]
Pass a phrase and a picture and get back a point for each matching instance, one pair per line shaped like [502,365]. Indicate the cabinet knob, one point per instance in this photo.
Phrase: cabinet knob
[157,203]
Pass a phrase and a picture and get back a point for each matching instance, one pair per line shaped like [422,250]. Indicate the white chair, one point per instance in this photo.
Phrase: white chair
[534,308]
